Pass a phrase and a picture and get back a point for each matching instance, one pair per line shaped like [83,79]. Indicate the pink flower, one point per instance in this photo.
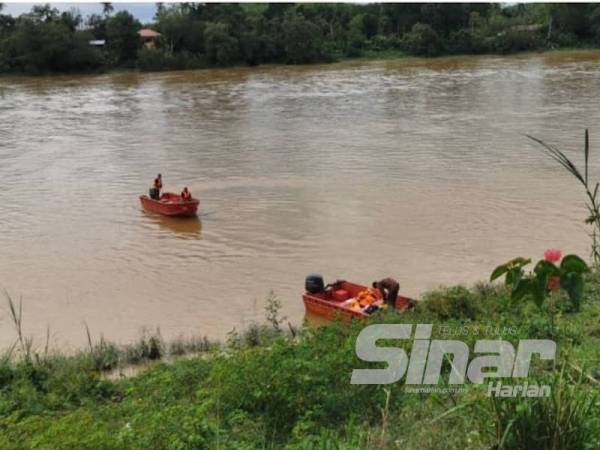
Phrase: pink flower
[552,255]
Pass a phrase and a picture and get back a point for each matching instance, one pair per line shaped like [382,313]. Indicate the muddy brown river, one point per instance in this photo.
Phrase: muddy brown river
[417,169]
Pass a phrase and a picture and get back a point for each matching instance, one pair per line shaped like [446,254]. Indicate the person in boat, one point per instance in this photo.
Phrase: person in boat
[186,195]
[155,190]
[389,288]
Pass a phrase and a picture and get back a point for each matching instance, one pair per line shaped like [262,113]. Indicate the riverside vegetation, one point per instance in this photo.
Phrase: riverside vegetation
[274,386]
[197,35]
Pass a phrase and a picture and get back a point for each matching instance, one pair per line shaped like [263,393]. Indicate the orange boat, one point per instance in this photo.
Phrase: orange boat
[170,204]
[339,300]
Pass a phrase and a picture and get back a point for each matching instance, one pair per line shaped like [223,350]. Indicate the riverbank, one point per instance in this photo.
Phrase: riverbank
[397,54]
[269,387]
[370,56]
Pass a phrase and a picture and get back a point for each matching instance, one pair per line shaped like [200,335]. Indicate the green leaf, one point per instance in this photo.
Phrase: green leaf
[545,269]
[539,289]
[521,289]
[519,261]
[573,263]
[513,276]
[499,271]
[572,283]
[512,264]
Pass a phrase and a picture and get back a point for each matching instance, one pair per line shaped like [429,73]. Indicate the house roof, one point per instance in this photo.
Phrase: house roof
[148,33]
[533,27]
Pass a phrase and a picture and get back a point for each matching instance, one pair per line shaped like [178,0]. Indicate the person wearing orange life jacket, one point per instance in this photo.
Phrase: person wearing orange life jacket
[186,195]
[389,288]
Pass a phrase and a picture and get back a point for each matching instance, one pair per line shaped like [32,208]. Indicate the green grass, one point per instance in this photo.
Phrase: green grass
[269,387]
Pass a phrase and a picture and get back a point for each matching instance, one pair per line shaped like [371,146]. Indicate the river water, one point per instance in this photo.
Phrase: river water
[416,169]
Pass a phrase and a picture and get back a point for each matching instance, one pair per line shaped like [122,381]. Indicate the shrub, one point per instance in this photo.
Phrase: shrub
[122,36]
[467,42]
[565,39]
[423,40]
[81,55]
[515,41]
[356,36]
[451,303]
[181,345]
[302,40]
[546,278]
[287,383]
[221,46]
[151,59]
[150,346]
[104,355]
[564,420]
[381,43]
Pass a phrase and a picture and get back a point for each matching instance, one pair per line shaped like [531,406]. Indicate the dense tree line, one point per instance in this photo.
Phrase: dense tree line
[205,35]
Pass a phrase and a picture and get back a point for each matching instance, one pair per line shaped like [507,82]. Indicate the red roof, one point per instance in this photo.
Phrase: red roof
[148,33]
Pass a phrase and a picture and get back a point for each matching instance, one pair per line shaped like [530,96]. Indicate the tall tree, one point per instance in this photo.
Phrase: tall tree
[122,34]
[44,13]
[107,9]
[302,39]
[221,47]
[160,8]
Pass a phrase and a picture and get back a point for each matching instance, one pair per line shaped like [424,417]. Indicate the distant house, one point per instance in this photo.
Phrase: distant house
[528,28]
[524,29]
[149,37]
[97,43]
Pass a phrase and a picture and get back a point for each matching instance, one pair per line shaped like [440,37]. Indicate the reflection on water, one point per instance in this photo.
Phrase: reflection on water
[417,169]
[182,227]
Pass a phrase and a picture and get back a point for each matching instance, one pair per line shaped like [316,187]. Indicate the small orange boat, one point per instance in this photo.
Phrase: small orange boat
[170,204]
[337,300]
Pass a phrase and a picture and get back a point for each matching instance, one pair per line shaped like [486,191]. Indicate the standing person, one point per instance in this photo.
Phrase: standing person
[389,288]
[155,191]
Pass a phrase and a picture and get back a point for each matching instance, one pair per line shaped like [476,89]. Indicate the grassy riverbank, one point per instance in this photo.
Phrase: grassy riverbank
[371,57]
[272,387]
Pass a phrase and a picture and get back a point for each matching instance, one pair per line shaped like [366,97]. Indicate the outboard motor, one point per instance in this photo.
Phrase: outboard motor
[314,283]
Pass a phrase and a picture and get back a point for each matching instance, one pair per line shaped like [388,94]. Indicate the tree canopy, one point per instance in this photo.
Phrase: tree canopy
[213,34]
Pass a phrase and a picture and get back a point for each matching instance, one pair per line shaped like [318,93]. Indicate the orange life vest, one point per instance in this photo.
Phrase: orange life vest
[366,297]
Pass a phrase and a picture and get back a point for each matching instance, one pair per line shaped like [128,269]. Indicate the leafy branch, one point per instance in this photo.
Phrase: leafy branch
[591,190]
[545,278]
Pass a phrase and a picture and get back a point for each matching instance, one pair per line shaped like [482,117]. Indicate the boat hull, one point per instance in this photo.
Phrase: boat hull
[323,304]
[170,205]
